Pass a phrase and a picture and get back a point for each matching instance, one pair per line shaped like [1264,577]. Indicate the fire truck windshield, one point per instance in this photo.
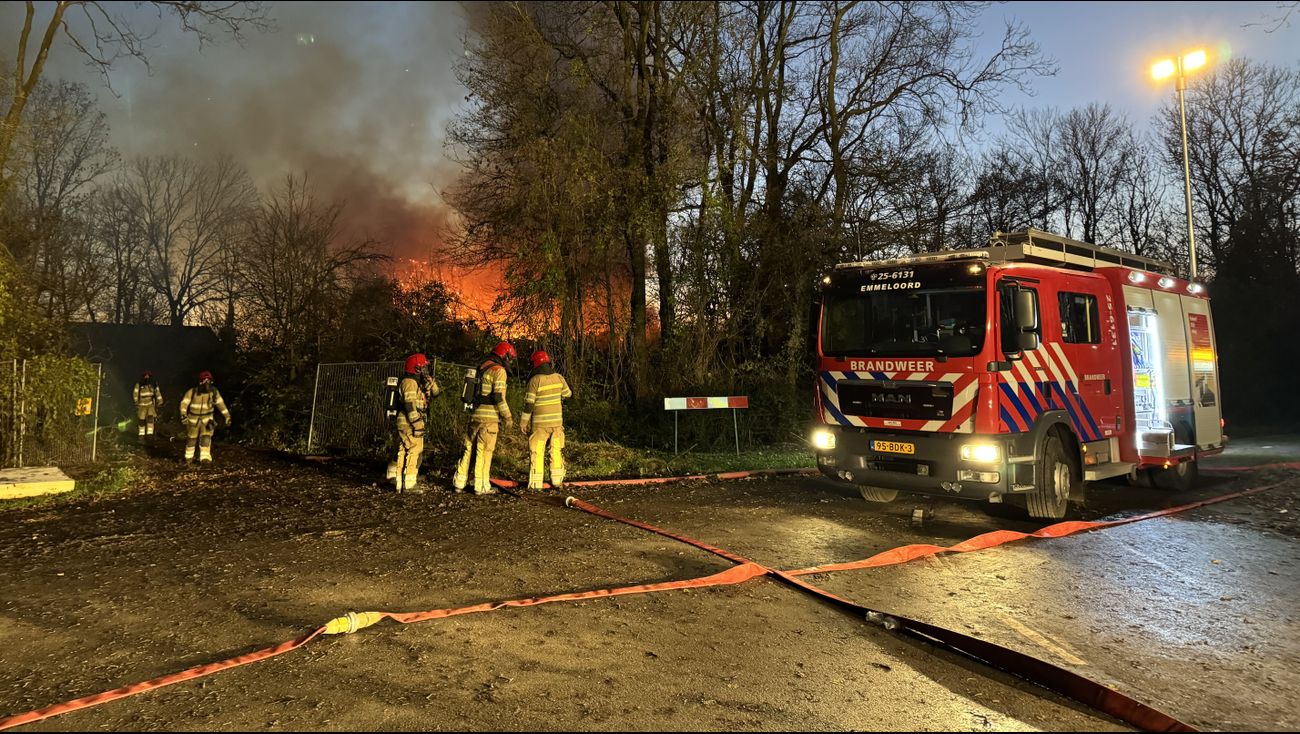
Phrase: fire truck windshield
[942,322]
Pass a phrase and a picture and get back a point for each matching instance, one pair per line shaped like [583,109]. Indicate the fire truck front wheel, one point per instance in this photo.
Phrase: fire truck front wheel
[876,494]
[1056,478]
[1178,478]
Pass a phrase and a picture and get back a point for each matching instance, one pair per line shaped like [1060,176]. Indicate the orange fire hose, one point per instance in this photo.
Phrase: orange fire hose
[906,553]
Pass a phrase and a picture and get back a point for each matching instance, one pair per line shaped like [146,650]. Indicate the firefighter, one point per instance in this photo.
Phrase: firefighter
[489,409]
[543,419]
[148,399]
[415,390]
[198,408]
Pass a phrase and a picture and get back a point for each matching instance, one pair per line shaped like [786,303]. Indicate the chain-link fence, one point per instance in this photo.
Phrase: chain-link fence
[348,418]
[49,411]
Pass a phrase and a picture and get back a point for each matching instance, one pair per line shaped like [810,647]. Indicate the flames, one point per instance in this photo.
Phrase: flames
[473,291]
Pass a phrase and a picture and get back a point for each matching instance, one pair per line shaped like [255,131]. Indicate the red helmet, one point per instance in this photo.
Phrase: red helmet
[415,363]
[539,358]
[205,376]
[146,375]
[505,350]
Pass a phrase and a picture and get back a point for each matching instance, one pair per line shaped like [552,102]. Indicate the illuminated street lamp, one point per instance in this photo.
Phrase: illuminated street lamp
[1163,70]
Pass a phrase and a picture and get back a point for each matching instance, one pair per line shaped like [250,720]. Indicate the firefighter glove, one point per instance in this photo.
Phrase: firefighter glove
[523,425]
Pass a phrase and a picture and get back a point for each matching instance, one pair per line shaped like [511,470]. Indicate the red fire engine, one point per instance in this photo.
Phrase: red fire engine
[1014,373]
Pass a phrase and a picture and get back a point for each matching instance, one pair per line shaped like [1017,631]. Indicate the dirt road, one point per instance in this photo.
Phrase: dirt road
[1196,614]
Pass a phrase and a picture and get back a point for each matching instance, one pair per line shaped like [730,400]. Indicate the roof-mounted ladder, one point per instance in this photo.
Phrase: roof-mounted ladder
[1038,246]
[1032,245]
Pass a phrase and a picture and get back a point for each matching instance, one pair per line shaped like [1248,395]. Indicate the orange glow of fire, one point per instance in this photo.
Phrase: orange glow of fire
[473,291]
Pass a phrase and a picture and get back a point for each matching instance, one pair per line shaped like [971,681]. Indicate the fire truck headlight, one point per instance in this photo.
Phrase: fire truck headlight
[982,453]
[823,440]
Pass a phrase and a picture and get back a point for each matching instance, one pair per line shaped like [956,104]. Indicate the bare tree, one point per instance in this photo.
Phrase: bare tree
[187,212]
[1142,212]
[64,150]
[1243,146]
[295,267]
[102,33]
[1096,148]
[1035,140]
[1283,10]
[117,227]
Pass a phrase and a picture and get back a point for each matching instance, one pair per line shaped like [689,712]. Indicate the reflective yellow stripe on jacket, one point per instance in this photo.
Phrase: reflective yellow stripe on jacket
[146,395]
[544,399]
[492,394]
[199,404]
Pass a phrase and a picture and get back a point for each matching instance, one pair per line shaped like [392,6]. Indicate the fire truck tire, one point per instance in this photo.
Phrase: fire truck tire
[1178,478]
[1141,478]
[876,494]
[1057,476]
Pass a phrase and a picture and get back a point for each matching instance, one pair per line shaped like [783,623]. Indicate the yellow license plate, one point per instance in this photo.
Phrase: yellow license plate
[893,447]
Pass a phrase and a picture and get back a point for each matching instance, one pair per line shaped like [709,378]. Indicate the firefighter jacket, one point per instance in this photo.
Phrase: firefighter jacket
[415,401]
[491,394]
[199,404]
[543,398]
[147,395]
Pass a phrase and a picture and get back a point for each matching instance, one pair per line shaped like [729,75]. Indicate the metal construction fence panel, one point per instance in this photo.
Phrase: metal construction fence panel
[348,417]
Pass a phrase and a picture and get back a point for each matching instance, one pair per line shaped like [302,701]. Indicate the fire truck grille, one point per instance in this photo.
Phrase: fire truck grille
[912,400]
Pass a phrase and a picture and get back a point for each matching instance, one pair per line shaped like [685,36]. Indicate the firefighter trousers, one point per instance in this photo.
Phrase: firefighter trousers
[405,471]
[146,415]
[198,431]
[537,441]
[479,445]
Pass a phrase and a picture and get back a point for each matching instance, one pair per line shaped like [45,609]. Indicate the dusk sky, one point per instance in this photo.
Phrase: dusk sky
[359,94]
[1105,49]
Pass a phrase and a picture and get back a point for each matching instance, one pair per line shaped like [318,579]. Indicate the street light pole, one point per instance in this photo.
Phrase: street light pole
[1164,70]
[1187,168]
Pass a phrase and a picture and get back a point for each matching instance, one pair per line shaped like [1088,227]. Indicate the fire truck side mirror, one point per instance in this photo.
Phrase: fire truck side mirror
[1026,306]
[1026,311]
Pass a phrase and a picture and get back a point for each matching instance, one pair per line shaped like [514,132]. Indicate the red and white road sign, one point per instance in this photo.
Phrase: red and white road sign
[741,401]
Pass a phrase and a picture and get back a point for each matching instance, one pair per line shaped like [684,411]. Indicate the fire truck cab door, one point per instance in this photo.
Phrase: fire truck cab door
[1082,338]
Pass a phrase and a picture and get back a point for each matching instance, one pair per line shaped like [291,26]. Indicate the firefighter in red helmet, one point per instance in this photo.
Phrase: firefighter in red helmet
[490,409]
[148,399]
[198,408]
[415,390]
[543,419]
